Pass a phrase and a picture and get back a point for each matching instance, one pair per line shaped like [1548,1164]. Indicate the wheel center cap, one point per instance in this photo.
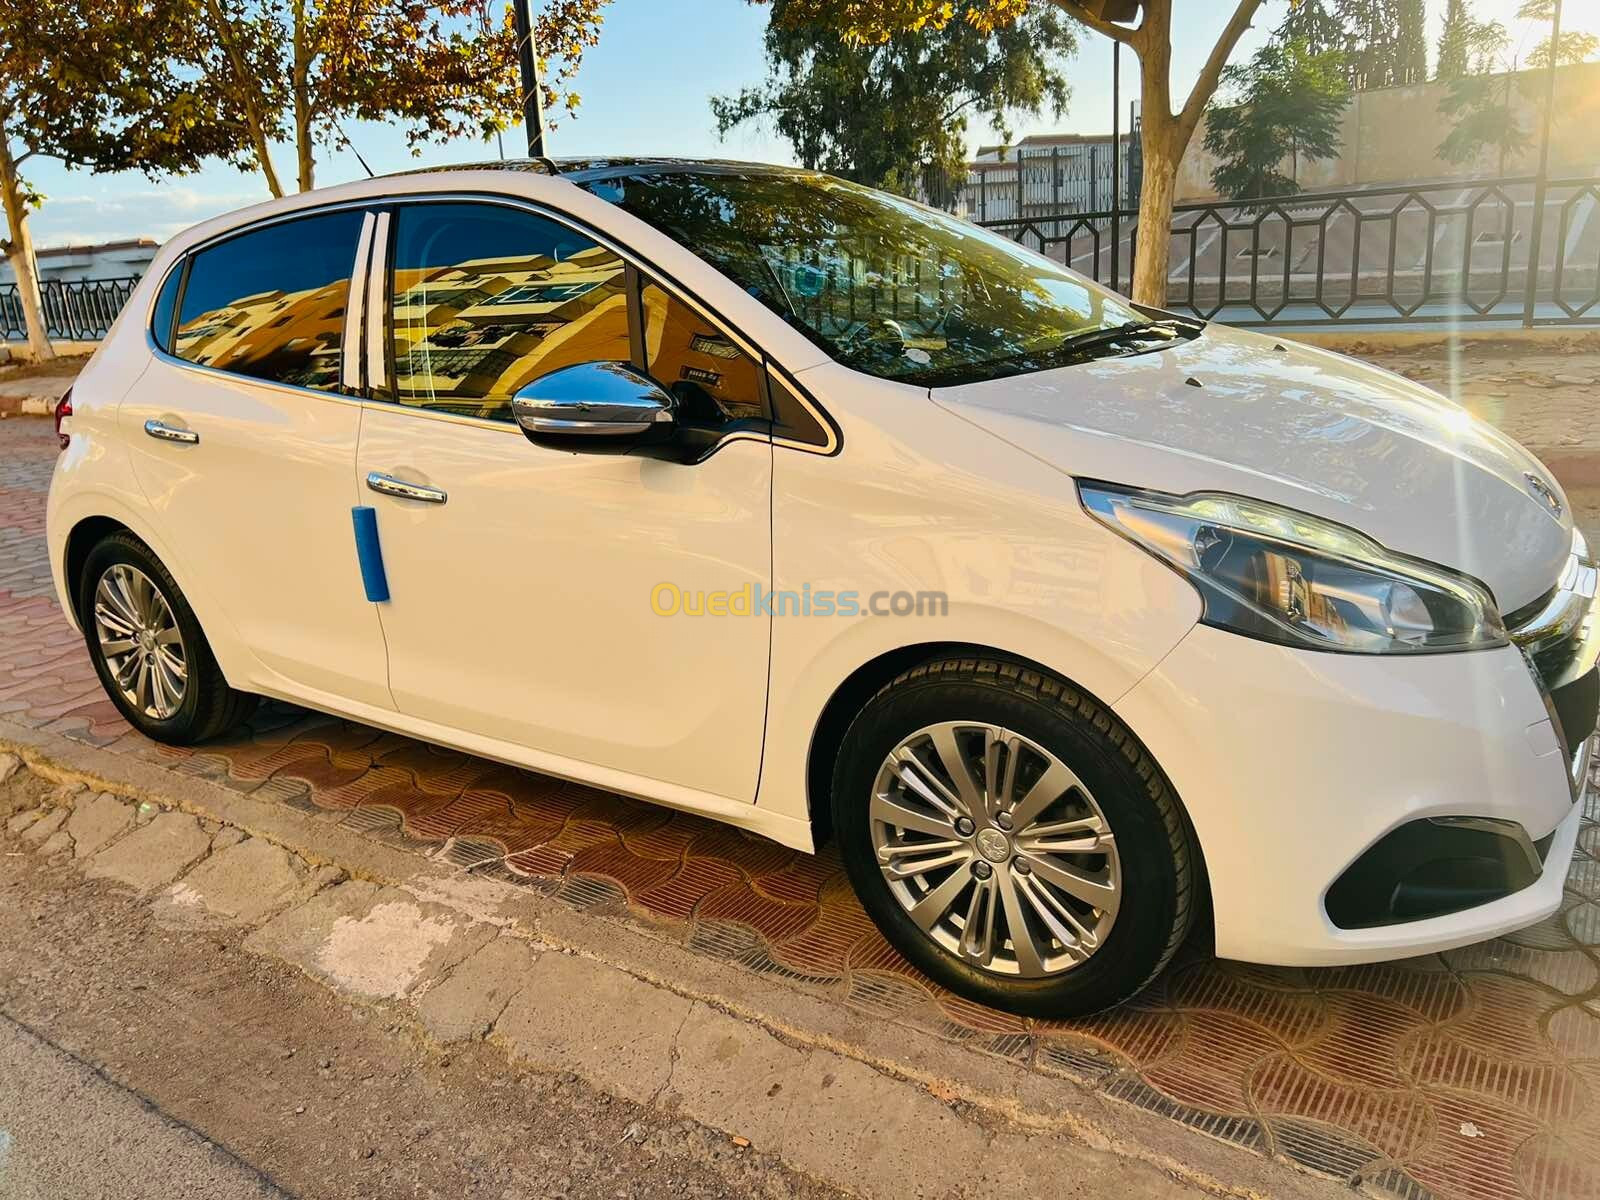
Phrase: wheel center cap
[147,640]
[994,845]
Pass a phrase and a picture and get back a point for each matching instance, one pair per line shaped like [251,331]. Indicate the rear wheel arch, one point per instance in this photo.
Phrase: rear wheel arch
[84,537]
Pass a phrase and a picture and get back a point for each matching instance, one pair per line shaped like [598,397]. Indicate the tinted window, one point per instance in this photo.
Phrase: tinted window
[165,309]
[884,285]
[486,298]
[713,380]
[270,303]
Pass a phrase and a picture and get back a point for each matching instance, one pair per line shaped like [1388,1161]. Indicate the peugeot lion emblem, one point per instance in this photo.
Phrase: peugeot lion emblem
[1541,490]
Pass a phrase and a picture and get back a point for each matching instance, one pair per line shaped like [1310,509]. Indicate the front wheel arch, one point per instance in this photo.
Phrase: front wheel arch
[867,680]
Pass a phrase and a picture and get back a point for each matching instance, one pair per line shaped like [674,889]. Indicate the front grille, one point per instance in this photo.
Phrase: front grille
[1559,636]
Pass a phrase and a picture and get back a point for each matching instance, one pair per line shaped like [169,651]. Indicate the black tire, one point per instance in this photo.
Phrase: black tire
[1159,871]
[209,706]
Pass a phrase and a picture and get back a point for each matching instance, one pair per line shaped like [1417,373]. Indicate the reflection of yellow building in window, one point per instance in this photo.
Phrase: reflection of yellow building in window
[290,337]
[466,337]
[711,377]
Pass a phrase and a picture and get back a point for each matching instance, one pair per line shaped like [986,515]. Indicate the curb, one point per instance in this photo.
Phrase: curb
[904,1065]
[28,406]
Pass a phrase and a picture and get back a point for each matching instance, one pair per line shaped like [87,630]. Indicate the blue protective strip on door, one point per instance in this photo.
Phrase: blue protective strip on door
[370,554]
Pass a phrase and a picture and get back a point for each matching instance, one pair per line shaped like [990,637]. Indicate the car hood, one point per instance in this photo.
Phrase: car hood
[1237,412]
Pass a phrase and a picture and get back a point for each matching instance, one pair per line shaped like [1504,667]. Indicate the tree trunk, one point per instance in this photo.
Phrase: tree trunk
[1159,142]
[264,157]
[245,87]
[19,251]
[300,85]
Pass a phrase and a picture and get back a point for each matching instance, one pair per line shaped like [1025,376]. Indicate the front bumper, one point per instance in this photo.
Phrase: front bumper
[1293,764]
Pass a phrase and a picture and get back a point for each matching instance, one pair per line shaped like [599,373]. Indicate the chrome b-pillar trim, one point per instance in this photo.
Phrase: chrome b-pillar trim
[377,305]
[350,347]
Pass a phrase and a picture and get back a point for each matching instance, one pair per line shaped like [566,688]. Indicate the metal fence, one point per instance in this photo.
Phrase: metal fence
[74,309]
[1438,253]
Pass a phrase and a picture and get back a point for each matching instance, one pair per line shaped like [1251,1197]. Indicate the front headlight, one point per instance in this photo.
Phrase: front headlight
[1277,574]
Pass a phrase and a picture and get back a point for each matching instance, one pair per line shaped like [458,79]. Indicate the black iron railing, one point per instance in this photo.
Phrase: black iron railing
[74,309]
[1438,253]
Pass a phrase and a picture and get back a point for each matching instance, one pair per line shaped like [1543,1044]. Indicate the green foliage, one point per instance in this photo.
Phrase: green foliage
[1453,40]
[95,86]
[1285,103]
[1576,46]
[1385,42]
[893,112]
[1312,24]
[297,70]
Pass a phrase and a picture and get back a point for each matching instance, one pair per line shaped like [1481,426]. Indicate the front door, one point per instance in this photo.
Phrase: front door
[525,581]
[244,447]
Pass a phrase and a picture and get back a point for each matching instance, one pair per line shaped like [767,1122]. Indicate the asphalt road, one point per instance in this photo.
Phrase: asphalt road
[68,1131]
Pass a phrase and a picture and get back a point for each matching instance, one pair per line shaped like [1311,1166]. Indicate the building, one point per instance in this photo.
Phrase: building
[1047,173]
[125,259]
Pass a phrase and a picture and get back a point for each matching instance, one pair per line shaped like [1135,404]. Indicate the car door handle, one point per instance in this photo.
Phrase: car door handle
[390,486]
[171,433]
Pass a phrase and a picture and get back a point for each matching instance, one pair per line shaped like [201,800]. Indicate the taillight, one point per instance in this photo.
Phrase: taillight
[63,410]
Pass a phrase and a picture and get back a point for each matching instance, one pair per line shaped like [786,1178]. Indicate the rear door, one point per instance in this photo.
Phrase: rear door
[243,437]
[526,581]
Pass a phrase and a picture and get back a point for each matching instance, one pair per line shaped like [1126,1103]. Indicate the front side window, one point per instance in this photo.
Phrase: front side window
[270,303]
[882,284]
[485,299]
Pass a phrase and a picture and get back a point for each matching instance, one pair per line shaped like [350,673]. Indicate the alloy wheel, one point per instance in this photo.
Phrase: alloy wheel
[141,643]
[995,849]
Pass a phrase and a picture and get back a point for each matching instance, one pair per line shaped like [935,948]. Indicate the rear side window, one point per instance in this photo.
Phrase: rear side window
[270,303]
[485,299]
[166,309]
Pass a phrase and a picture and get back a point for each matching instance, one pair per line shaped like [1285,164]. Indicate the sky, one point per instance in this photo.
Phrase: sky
[646,90]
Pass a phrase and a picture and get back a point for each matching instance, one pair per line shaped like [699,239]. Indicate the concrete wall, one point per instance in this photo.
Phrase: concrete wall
[1392,135]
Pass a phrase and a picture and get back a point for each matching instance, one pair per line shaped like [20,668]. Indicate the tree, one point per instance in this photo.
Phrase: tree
[1478,101]
[1284,103]
[1576,45]
[1454,39]
[92,85]
[1164,132]
[297,70]
[1385,42]
[1312,24]
[893,113]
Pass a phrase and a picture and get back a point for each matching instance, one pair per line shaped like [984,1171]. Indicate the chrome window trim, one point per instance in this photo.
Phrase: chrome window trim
[355,302]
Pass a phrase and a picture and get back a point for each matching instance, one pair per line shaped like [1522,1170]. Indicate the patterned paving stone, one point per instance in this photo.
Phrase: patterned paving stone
[1470,1075]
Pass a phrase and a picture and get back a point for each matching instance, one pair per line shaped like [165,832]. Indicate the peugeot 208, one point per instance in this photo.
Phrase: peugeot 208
[803,507]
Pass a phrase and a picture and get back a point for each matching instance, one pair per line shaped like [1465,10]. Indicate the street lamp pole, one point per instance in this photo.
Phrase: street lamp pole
[532,93]
[1116,162]
[1530,295]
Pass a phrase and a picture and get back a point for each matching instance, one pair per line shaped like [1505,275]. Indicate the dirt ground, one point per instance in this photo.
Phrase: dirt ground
[63,367]
[321,1096]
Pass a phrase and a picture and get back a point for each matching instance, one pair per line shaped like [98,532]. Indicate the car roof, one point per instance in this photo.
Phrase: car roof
[583,170]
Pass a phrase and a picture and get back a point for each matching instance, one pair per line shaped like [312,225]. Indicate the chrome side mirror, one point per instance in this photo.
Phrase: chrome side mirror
[605,402]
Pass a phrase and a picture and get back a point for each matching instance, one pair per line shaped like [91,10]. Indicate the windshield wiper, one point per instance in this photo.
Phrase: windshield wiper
[1091,339]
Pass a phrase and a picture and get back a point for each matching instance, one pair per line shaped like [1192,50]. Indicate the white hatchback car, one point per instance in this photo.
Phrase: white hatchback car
[776,499]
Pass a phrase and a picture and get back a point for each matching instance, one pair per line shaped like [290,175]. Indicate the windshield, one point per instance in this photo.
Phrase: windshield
[882,284]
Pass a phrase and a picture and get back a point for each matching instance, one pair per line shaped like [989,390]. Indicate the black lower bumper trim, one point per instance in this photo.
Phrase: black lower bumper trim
[1430,868]
[1577,707]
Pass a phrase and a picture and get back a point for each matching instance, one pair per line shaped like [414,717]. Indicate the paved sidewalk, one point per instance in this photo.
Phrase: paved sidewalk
[1466,1075]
